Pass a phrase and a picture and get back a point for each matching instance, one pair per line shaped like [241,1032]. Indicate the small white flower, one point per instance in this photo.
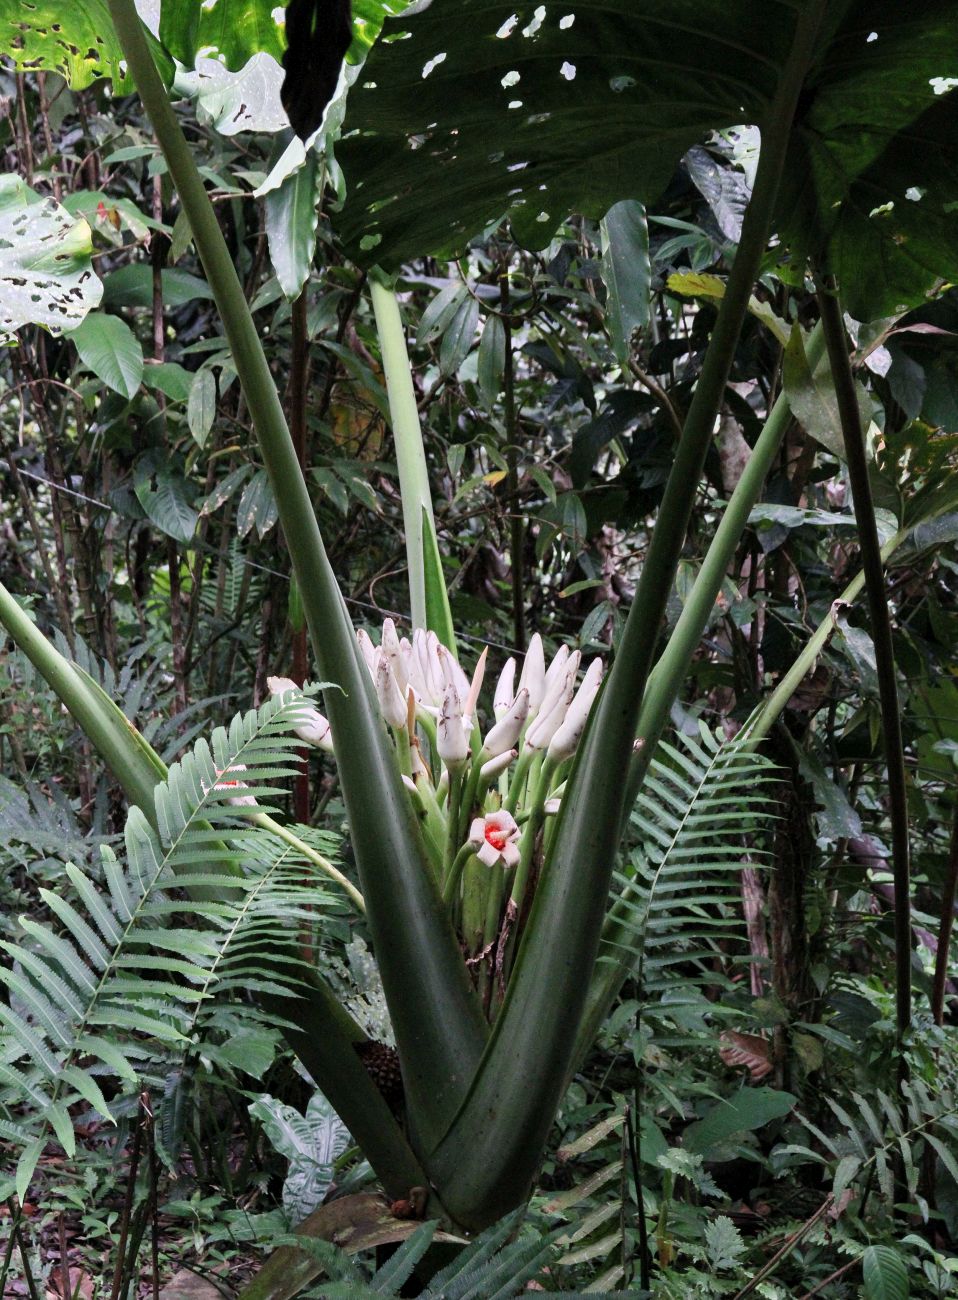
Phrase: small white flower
[494,839]
[311,727]
[239,800]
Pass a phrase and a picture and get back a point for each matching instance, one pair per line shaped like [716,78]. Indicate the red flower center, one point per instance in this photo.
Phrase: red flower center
[496,837]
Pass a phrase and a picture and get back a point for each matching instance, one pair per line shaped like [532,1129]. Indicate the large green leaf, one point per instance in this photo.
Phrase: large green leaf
[46,275]
[488,109]
[238,29]
[75,39]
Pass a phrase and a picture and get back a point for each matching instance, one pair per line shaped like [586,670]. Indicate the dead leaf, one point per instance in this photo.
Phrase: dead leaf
[749,1050]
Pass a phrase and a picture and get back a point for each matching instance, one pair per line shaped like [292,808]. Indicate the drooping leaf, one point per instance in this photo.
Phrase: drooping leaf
[749,1109]
[626,272]
[46,275]
[574,107]
[132,286]
[246,100]
[110,349]
[292,216]
[201,405]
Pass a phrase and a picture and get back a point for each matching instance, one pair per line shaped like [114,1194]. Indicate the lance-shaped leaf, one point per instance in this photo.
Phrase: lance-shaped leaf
[439,1027]
[573,107]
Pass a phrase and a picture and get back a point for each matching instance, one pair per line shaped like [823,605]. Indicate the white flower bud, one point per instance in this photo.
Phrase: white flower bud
[452,740]
[506,731]
[534,673]
[367,648]
[491,769]
[568,735]
[391,700]
[390,647]
[551,713]
[505,689]
[311,727]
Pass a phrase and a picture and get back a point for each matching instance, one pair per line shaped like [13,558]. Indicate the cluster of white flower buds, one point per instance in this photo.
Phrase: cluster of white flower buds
[541,717]
[545,704]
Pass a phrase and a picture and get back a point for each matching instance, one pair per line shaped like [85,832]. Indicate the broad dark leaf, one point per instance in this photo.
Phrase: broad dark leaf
[488,109]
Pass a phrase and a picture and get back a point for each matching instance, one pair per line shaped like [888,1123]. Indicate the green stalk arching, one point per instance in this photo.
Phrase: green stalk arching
[833,326]
[429,604]
[608,978]
[314,1019]
[439,1026]
[132,761]
[665,679]
[488,1158]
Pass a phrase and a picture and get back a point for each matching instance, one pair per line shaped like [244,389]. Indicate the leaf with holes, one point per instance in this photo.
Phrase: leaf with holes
[109,348]
[75,40]
[46,275]
[573,107]
[239,29]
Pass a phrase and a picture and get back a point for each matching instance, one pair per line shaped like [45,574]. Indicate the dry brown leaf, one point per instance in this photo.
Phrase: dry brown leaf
[749,1050]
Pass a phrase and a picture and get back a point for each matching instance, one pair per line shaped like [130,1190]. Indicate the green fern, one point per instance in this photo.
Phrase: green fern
[678,899]
[884,1132]
[133,965]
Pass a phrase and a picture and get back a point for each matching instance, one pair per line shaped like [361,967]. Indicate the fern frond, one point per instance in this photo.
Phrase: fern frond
[123,964]
[678,897]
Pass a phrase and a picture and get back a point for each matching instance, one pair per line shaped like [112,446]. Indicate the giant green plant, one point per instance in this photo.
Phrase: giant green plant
[480,1103]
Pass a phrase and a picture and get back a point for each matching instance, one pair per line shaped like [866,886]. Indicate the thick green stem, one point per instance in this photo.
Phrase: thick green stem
[489,1156]
[439,1026]
[666,678]
[880,619]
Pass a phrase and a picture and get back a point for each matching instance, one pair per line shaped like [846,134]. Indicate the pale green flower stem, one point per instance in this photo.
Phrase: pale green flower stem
[323,864]
[455,874]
